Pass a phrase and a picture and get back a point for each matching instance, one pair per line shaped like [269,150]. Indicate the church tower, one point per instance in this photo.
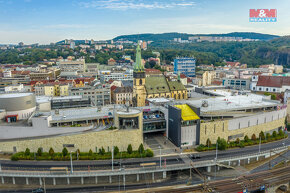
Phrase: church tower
[139,92]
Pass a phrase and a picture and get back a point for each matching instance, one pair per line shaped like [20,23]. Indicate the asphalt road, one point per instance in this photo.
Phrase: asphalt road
[135,163]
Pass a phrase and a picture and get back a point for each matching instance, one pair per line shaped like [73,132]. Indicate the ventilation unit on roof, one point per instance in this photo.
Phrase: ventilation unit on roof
[204,103]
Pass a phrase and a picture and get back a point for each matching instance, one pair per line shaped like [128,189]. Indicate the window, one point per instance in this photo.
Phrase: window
[267,89]
[257,121]
[274,90]
[260,88]
[248,123]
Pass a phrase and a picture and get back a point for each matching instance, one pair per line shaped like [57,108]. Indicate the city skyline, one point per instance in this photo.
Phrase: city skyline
[43,22]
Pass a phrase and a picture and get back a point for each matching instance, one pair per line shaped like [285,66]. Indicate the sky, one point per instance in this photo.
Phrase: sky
[46,21]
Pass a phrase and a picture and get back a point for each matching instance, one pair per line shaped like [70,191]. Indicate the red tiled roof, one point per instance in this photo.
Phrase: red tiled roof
[217,82]
[152,70]
[273,81]
[113,87]
[182,76]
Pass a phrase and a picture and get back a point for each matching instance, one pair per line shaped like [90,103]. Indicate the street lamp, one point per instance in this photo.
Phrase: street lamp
[260,145]
[71,164]
[160,155]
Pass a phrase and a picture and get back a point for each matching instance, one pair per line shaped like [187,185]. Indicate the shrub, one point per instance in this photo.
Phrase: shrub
[116,150]
[246,138]
[27,151]
[262,135]
[51,152]
[78,152]
[129,149]
[90,152]
[64,152]
[242,145]
[237,140]
[208,142]
[274,134]
[149,153]
[39,151]
[14,157]
[254,137]
[141,148]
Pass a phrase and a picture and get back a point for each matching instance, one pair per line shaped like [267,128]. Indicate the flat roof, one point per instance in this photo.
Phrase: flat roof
[19,132]
[14,95]
[228,103]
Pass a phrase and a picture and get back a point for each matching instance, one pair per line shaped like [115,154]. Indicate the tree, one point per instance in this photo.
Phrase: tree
[102,151]
[254,137]
[64,151]
[51,152]
[246,138]
[268,136]
[27,151]
[129,149]
[222,144]
[238,141]
[141,148]
[90,152]
[281,133]
[262,135]
[39,151]
[208,142]
[116,150]
[274,134]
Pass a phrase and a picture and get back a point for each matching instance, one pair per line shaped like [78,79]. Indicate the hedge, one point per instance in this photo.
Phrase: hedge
[242,143]
[82,156]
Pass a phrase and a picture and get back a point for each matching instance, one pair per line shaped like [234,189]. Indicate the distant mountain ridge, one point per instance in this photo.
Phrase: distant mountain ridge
[171,36]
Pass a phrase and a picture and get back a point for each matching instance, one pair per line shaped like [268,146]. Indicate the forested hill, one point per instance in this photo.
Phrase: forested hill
[184,36]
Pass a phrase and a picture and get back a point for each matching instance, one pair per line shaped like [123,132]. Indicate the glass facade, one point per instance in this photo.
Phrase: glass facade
[185,66]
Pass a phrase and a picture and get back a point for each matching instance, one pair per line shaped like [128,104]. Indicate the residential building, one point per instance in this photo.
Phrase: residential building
[78,65]
[122,95]
[127,75]
[185,65]
[99,94]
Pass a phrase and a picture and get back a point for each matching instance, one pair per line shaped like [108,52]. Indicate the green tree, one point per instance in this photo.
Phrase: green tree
[254,137]
[129,149]
[90,152]
[102,151]
[262,135]
[64,151]
[141,148]
[27,151]
[268,136]
[51,152]
[238,141]
[116,150]
[39,151]
[208,142]
[222,144]
[281,133]
[274,134]
[246,138]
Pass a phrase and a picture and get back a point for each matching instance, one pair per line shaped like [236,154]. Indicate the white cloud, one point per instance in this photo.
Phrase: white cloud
[135,4]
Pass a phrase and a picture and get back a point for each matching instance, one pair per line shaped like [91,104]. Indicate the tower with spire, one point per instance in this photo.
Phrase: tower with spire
[139,92]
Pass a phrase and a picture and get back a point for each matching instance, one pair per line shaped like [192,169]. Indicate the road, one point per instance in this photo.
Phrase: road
[135,163]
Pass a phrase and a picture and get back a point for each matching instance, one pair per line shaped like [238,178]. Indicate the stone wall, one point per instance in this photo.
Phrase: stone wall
[83,141]
[215,129]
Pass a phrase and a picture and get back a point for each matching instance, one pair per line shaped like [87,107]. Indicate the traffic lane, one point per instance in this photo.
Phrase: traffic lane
[108,165]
